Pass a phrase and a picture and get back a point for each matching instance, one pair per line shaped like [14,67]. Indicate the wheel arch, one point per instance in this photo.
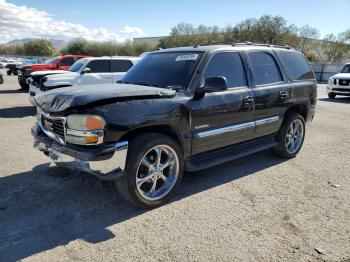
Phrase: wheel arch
[167,130]
[300,109]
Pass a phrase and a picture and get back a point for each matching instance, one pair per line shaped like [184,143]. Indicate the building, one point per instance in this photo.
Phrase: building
[151,41]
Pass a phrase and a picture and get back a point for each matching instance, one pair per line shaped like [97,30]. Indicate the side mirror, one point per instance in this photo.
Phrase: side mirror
[215,84]
[211,84]
[86,70]
[58,65]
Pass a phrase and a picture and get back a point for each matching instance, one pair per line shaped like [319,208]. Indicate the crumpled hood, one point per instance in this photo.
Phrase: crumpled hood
[342,76]
[61,99]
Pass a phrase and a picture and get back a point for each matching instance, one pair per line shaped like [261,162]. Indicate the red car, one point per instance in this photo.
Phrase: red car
[56,63]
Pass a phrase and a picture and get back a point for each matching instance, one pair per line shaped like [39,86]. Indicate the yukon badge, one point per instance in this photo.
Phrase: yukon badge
[201,126]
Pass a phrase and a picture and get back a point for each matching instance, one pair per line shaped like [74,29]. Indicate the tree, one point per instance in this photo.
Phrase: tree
[39,47]
[306,37]
[334,48]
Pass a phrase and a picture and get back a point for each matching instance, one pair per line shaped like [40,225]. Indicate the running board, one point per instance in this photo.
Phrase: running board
[228,154]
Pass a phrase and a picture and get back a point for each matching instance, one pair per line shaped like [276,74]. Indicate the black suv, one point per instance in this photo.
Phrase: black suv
[179,109]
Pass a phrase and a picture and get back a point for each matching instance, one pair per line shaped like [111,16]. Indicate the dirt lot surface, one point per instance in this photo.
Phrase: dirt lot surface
[259,208]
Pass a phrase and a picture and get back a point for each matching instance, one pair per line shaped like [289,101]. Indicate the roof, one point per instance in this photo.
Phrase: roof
[238,46]
[132,58]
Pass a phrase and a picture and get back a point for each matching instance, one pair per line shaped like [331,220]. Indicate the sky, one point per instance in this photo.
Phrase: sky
[119,20]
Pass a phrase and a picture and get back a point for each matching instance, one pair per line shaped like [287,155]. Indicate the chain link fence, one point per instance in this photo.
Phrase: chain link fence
[324,70]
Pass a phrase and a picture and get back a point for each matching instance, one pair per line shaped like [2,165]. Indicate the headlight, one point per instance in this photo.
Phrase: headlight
[85,129]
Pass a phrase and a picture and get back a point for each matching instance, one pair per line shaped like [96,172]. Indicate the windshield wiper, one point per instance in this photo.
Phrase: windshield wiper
[175,87]
[122,82]
[142,83]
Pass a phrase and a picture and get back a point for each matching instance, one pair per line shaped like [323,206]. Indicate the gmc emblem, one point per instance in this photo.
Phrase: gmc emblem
[48,125]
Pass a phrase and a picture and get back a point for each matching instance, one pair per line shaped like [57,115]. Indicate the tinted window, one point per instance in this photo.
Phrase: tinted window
[265,69]
[77,66]
[67,61]
[346,69]
[171,69]
[121,65]
[228,65]
[296,66]
[100,66]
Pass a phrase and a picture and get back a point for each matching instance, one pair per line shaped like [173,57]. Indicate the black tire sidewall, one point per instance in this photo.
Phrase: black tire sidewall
[281,148]
[137,151]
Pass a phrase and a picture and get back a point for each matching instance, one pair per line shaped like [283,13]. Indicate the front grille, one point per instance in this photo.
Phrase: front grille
[54,125]
[341,89]
[344,82]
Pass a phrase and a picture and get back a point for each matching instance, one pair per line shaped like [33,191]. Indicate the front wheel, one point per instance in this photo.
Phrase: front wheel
[290,138]
[154,170]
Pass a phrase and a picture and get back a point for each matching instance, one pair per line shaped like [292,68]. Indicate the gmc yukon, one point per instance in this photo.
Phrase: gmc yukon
[179,109]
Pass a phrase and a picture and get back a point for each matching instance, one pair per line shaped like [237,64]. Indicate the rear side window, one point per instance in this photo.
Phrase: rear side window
[121,65]
[265,69]
[296,66]
[100,66]
[228,65]
[67,61]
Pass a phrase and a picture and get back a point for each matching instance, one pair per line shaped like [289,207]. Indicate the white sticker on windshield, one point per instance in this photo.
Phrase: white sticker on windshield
[187,57]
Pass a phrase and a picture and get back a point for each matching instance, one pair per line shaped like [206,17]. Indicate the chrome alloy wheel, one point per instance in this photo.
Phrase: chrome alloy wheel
[157,172]
[295,136]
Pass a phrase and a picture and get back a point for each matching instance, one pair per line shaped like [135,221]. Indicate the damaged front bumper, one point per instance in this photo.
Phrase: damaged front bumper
[107,162]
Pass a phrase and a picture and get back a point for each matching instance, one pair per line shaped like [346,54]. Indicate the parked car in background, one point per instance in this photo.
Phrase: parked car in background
[13,66]
[86,71]
[339,84]
[60,63]
[179,109]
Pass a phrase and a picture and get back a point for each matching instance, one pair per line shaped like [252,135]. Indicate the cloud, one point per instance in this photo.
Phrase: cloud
[22,21]
[131,30]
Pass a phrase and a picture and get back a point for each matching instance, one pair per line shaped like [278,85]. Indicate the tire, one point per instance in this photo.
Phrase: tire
[289,141]
[22,83]
[8,72]
[15,73]
[1,80]
[331,95]
[146,147]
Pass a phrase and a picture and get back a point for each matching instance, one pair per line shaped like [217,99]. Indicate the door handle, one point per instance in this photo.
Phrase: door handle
[248,100]
[283,94]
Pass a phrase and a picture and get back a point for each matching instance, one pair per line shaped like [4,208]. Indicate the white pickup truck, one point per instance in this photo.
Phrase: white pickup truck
[86,71]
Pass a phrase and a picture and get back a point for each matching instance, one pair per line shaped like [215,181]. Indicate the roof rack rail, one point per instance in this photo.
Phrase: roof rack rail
[259,44]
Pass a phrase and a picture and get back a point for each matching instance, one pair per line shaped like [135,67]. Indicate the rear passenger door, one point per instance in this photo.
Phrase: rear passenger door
[272,94]
[100,72]
[223,118]
[119,68]
[300,77]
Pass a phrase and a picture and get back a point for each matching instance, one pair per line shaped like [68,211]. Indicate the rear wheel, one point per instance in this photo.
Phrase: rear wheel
[154,170]
[331,95]
[290,138]
[8,72]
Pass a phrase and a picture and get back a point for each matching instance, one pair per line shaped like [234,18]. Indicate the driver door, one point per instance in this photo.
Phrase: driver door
[223,118]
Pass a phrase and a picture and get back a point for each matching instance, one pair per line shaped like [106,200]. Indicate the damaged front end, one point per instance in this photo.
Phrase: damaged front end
[104,160]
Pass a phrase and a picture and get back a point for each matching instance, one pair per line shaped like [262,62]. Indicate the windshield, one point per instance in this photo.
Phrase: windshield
[169,70]
[346,69]
[76,66]
[52,61]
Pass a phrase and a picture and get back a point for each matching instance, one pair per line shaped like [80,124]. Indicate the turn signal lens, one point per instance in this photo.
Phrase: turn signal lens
[94,122]
[91,139]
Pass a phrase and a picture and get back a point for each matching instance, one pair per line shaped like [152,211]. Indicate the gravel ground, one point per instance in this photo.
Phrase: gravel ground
[259,208]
